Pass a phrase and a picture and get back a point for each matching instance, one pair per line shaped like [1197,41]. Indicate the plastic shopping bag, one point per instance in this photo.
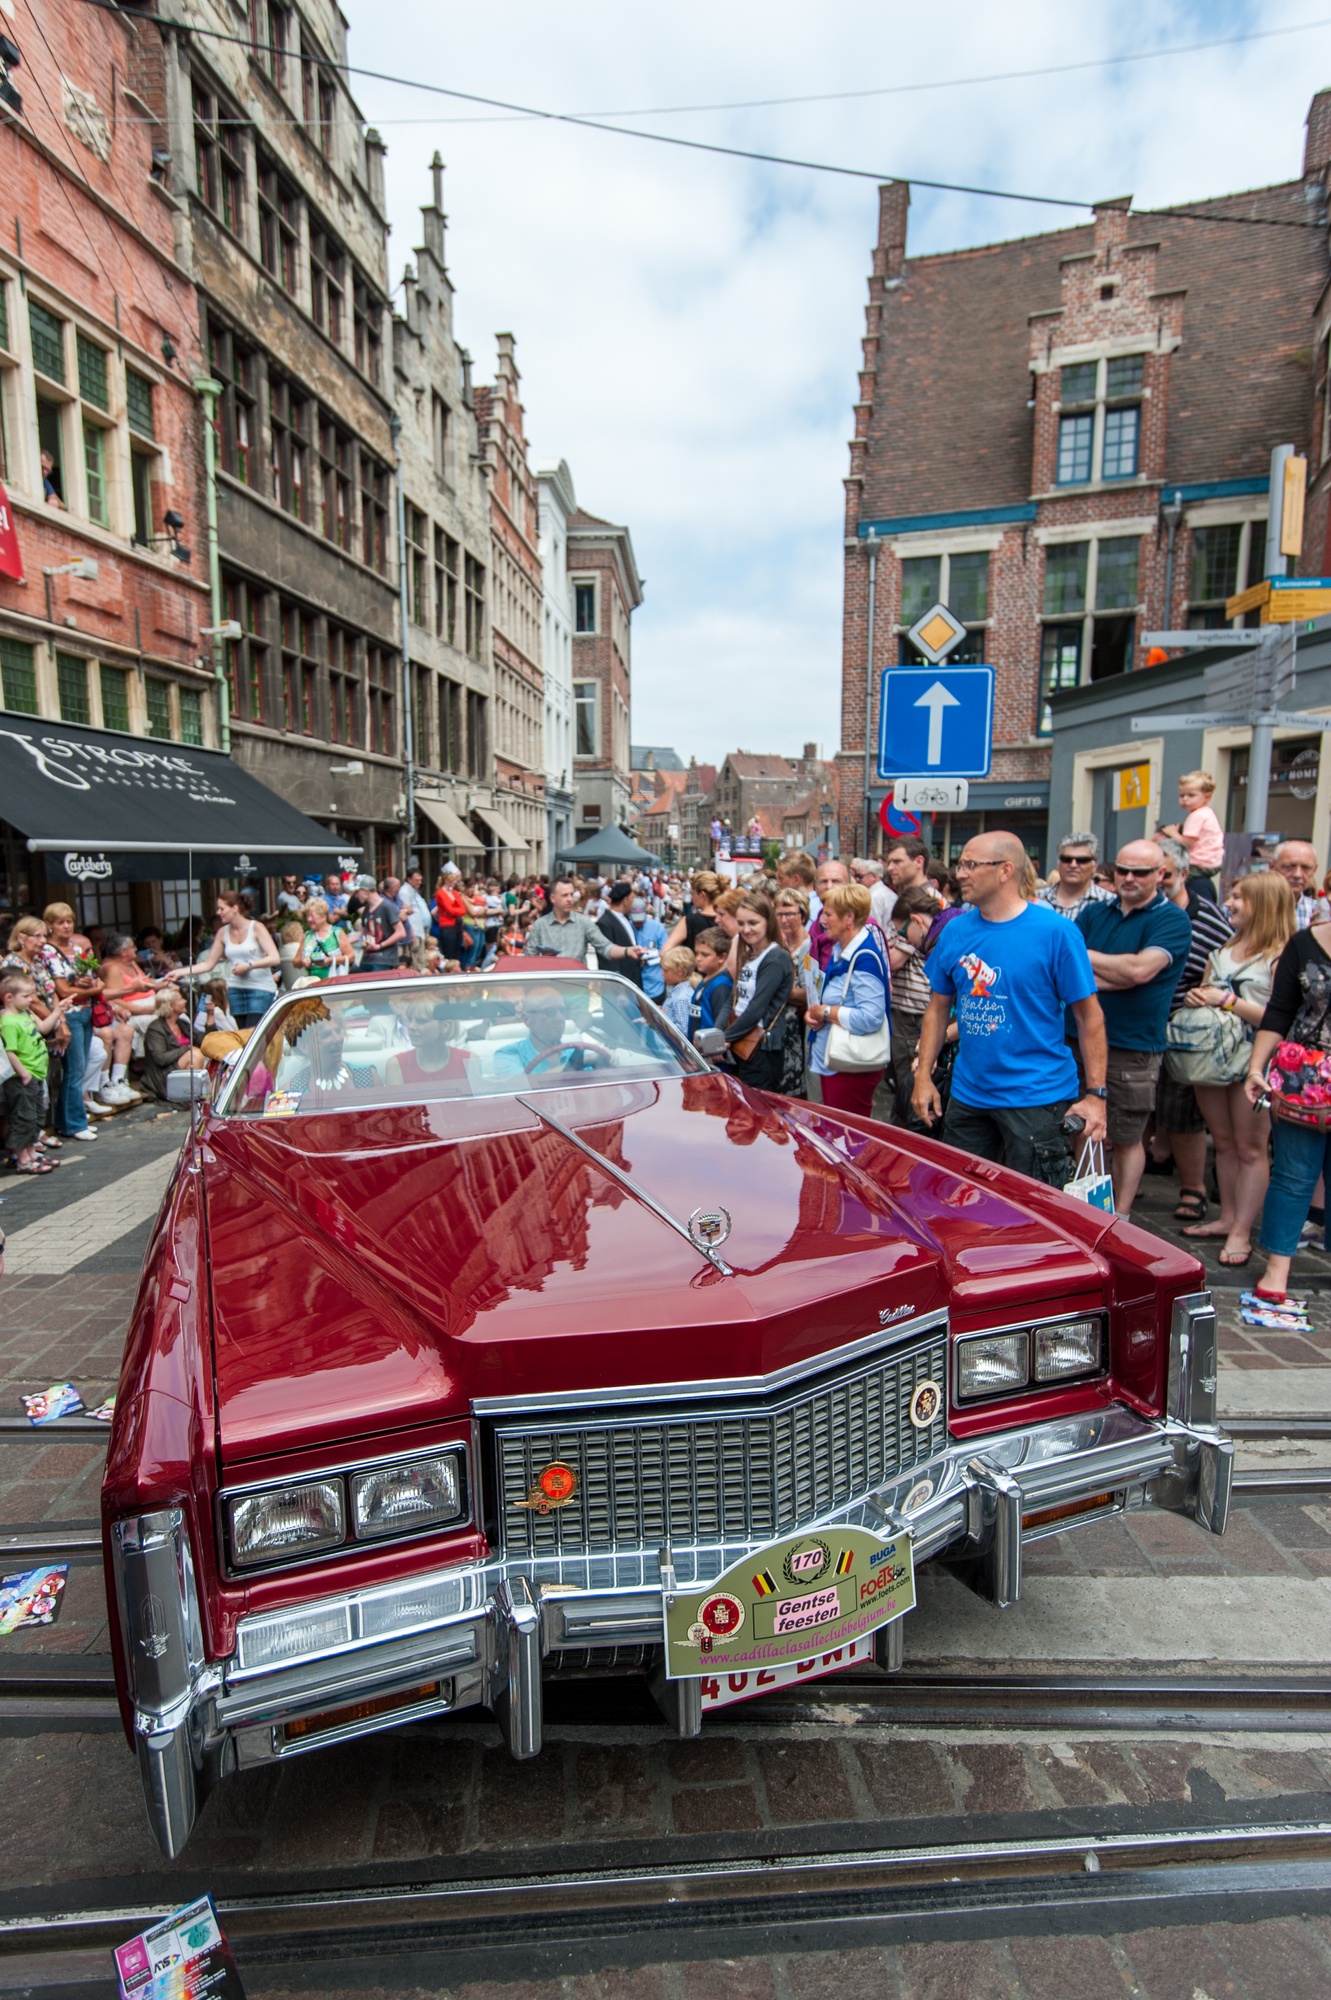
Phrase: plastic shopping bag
[1092,1184]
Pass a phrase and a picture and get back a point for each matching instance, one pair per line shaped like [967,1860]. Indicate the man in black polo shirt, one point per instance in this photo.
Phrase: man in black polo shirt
[1138,944]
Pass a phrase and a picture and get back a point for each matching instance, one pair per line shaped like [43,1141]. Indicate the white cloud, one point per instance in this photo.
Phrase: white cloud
[688,327]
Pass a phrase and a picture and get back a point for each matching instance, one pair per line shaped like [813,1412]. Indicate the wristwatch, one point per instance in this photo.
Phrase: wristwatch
[1099,1091]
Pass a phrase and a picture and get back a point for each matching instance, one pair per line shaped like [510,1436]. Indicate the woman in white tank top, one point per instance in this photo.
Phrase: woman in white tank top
[251,960]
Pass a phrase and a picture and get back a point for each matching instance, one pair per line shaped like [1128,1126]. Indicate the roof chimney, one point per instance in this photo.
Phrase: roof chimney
[1317,145]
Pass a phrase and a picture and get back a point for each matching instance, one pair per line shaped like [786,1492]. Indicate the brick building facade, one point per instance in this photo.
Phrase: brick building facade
[446,512]
[517,818]
[607,590]
[1067,439]
[98,344]
[281,218]
[749,784]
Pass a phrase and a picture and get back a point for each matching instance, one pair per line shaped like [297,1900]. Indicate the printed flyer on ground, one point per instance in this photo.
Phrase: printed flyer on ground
[185,1957]
[804,1595]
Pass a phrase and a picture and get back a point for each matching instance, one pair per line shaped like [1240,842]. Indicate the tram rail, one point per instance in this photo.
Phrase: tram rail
[511,1923]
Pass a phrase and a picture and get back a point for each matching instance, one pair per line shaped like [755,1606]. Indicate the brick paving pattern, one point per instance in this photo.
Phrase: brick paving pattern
[1271,1960]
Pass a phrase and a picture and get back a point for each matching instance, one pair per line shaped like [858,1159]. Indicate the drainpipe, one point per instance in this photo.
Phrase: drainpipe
[210,390]
[868,691]
[408,705]
[1173,514]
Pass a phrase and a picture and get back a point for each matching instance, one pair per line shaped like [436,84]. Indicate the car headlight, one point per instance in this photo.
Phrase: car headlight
[1068,1347]
[287,1521]
[394,1499]
[992,1363]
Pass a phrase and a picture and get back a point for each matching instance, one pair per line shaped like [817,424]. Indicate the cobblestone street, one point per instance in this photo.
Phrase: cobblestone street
[443,1800]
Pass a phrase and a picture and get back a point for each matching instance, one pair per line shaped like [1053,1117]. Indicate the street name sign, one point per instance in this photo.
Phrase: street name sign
[935,722]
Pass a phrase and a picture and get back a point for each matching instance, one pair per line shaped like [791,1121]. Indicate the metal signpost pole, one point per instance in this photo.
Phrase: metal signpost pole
[868,696]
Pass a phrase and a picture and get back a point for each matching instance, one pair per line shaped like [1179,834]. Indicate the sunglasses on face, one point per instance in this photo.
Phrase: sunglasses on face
[1074,861]
[1140,873]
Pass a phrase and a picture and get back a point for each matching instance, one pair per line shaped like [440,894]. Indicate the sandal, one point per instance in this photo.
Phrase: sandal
[1229,1261]
[1192,1205]
[37,1167]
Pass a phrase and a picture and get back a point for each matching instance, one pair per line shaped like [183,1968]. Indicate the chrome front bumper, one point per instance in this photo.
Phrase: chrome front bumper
[481,1635]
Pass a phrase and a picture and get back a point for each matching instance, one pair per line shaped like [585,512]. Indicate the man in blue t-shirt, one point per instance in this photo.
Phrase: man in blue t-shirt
[1010,966]
[1138,946]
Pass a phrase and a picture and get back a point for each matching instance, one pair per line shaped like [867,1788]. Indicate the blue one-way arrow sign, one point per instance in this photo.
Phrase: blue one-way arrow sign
[935,722]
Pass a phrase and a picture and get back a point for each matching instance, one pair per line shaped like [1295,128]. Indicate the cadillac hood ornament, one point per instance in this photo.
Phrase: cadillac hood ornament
[709,1227]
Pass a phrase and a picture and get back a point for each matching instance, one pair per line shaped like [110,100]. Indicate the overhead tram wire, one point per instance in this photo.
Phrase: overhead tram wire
[576,119]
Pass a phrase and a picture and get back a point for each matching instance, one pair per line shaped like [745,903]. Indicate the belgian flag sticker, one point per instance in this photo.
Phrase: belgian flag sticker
[765,1584]
[845,1562]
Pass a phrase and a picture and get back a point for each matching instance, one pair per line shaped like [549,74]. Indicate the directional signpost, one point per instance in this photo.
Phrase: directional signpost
[935,722]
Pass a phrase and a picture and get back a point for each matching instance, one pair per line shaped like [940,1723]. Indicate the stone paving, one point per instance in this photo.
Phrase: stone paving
[1272,1960]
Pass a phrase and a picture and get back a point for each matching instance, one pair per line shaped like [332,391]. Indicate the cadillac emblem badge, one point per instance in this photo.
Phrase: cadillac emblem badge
[925,1405]
[553,1488]
[709,1227]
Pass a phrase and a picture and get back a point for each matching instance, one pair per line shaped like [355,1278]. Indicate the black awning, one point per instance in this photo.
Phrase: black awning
[133,809]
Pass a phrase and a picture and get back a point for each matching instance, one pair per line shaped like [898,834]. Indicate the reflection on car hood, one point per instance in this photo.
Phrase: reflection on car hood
[377,1268]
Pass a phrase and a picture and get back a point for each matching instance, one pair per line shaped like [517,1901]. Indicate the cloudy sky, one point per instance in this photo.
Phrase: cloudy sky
[688,326]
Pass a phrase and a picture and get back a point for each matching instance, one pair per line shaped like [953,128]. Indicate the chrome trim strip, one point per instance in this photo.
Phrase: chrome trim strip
[618,1175]
[733,1385]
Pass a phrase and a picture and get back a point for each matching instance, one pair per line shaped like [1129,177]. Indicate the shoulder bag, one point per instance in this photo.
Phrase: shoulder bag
[1208,1045]
[854,1054]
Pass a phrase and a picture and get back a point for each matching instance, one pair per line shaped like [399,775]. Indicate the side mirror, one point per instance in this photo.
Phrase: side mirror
[710,1042]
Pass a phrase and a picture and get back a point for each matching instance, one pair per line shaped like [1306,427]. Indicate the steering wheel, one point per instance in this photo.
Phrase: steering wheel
[600,1057]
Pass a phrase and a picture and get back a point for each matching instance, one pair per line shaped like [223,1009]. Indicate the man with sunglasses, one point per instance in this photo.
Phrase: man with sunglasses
[1138,944]
[1009,968]
[1076,885]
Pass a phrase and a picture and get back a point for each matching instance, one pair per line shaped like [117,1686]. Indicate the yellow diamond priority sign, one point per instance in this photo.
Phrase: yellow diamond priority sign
[936,633]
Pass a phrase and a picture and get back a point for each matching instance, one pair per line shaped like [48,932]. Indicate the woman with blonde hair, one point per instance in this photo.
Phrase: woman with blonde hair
[324,949]
[704,887]
[1238,979]
[856,996]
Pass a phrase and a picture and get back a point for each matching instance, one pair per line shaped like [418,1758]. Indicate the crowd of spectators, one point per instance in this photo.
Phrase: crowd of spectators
[1118,1003]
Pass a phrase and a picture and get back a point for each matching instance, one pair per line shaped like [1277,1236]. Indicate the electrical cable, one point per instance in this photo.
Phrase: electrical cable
[695,145]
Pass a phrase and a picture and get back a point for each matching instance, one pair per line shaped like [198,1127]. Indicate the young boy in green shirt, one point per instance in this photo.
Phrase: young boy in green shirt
[23,1039]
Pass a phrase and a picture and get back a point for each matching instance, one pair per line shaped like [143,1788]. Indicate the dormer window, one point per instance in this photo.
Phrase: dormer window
[1099,424]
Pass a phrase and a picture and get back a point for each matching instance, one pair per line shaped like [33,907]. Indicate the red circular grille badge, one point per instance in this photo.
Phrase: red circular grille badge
[558,1483]
[554,1487]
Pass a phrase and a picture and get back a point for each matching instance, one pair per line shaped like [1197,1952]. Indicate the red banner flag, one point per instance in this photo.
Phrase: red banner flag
[11,558]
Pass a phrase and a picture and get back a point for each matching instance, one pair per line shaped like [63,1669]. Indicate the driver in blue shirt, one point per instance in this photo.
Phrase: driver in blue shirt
[543,1048]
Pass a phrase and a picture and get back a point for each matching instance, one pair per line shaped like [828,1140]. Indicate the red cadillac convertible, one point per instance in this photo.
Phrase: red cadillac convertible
[488,1331]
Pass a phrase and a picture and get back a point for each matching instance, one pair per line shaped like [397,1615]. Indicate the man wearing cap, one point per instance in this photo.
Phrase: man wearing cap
[382,926]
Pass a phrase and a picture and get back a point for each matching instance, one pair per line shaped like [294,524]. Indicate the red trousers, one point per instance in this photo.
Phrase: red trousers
[851,1090]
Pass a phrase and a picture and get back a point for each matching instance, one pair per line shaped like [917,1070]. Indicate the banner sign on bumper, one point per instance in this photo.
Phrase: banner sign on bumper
[802,1595]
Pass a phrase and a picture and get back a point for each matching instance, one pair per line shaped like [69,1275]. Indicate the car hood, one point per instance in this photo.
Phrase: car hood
[379,1268]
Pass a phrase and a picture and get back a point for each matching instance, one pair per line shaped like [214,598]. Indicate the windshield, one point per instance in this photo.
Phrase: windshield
[450,1037]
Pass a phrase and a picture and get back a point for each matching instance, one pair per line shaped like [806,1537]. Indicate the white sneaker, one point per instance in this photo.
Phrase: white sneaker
[96,1109]
[118,1094]
[86,1133]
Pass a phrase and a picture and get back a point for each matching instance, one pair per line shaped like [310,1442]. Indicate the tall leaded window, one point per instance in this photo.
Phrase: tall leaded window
[279,229]
[1099,425]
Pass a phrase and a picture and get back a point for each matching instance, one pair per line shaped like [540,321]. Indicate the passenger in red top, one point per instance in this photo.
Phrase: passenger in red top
[433,1058]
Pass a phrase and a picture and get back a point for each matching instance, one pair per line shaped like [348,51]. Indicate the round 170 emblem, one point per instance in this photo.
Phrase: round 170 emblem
[807,1562]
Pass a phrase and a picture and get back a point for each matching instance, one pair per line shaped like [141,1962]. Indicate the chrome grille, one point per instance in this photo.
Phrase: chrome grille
[752,1471]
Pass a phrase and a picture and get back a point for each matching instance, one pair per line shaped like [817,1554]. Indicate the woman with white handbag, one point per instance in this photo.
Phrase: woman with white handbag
[851,1037]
